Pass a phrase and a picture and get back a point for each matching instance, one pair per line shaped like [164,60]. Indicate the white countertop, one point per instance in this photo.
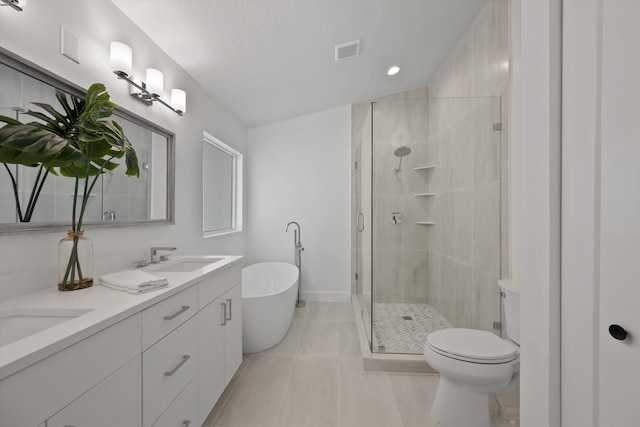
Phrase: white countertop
[107,307]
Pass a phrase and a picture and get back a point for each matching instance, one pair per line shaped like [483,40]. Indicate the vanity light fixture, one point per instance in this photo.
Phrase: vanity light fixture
[149,92]
[15,4]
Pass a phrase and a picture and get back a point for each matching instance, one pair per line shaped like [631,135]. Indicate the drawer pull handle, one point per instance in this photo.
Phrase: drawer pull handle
[182,362]
[186,423]
[224,314]
[177,313]
[229,301]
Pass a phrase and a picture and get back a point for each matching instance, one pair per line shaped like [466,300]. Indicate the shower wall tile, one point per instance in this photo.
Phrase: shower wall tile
[416,181]
[415,276]
[447,288]
[446,167]
[435,117]
[434,289]
[387,236]
[434,176]
[463,151]
[485,51]
[505,262]
[414,236]
[421,92]
[388,114]
[416,120]
[463,295]
[487,295]
[487,149]
[387,276]
[501,9]
[446,223]
[463,222]
[386,181]
[463,54]
[486,227]
[434,232]
[354,256]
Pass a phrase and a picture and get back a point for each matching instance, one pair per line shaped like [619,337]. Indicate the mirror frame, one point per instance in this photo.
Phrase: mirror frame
[14,61]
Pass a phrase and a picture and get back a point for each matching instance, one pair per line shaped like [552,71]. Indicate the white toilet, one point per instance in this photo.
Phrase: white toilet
[474,364]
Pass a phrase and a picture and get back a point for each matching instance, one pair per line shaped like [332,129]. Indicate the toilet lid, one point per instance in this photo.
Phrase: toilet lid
[472,345]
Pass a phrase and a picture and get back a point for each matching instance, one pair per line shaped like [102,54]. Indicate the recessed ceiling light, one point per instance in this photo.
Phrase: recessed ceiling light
[393,70]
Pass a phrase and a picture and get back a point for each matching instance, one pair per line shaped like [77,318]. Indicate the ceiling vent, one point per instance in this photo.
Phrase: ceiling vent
[347,50]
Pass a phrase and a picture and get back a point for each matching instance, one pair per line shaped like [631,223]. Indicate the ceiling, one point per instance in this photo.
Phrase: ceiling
[271,60]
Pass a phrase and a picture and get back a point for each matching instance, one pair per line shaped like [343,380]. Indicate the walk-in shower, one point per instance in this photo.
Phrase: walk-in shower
[427,218]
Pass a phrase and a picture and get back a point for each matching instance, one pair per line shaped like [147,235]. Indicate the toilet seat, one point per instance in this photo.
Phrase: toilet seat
[472,345]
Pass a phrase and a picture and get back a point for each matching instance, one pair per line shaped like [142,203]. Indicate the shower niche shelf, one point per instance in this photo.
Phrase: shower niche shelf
[424,168]
[424,222]
[424,194]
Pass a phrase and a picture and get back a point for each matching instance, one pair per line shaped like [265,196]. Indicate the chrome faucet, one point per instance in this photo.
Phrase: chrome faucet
[296,233]
[154,253]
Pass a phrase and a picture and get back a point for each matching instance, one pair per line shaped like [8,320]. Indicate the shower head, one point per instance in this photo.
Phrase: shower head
[402,151]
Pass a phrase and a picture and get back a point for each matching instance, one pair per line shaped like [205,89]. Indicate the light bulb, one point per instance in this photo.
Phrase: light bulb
[179,100]
[121,59]
[154,82]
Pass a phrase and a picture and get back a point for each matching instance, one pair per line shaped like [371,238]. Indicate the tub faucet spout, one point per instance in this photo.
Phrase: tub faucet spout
[297,235]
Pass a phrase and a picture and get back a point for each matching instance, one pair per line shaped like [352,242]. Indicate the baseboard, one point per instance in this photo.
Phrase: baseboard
[327,296]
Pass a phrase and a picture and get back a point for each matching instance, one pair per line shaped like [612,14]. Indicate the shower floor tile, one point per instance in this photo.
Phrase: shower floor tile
[403,328]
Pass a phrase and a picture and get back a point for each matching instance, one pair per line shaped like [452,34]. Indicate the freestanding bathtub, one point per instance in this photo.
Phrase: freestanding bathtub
[269,292]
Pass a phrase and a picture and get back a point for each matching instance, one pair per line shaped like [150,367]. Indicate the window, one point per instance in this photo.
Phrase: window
[222,187]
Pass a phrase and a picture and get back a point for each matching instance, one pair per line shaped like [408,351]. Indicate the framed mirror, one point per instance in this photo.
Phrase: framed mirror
[117,200]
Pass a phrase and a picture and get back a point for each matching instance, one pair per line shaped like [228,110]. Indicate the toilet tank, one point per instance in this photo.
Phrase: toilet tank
[511,310]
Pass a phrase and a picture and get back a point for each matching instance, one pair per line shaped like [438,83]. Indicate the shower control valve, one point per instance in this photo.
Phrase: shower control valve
[396,218]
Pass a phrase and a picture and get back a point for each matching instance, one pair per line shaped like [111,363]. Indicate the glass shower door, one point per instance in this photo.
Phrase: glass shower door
[363,230]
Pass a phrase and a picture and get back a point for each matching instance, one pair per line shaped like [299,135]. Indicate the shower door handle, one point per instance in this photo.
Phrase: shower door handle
[360,222]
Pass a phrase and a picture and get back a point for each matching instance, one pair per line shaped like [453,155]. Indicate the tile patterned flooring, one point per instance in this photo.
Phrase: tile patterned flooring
[314,378]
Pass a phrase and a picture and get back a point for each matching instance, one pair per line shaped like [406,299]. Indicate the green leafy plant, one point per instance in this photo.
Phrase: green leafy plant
[78,142]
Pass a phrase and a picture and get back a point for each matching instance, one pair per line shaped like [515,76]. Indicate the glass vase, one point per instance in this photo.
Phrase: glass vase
[75,262]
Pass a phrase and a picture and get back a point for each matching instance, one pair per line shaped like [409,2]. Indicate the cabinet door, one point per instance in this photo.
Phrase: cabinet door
[113,402]
[211,353]
[233,333]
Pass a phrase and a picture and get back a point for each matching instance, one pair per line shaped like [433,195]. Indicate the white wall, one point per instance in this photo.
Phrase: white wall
[536,131]
[298,170]
[27,261]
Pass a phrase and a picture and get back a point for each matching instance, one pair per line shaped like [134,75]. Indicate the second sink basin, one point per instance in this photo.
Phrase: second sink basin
[20,322]
[185,265]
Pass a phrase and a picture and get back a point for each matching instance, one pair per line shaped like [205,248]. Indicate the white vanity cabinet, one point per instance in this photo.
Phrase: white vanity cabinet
[37,393]
[169,363]
[165,365]
[113,402]
[219,336]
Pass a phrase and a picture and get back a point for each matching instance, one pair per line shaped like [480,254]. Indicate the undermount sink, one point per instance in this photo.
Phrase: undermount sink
[185,265]
[20,322]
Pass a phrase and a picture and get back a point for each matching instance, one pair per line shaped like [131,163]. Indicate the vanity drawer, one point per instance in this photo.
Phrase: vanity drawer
[33,394]
[165,316]
[217,285]
[183,412]
[167,367]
